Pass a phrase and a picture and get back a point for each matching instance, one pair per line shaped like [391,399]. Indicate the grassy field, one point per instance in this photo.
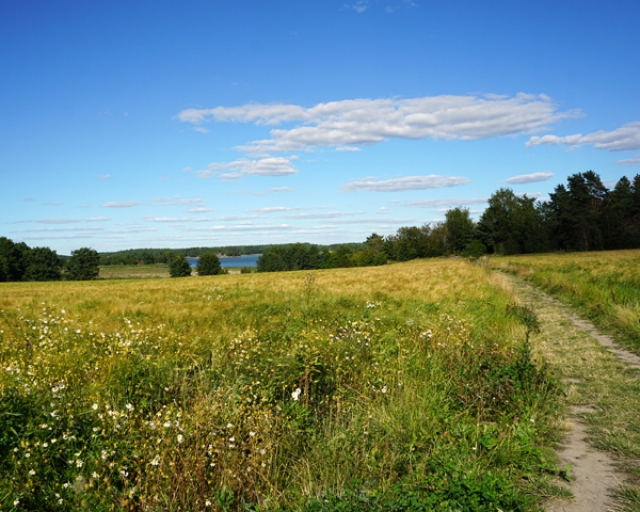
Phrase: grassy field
[603,286]
[405,387]
[133,271]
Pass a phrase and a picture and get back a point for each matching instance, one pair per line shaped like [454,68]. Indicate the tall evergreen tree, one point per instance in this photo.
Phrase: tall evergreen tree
[576,212]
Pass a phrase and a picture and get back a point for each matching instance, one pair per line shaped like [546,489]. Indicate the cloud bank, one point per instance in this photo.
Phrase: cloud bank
[350,123]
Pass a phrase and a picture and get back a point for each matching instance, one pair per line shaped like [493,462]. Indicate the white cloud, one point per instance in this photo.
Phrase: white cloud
[626,137]
[631,161]
[121,204]
[328,215]
[177,200]
[350,149]
[529,178]
[69,221]
[405,183]
[50,230]
[360,6]
[175,219]
[446,203]
[274,209]
[281,189]
[200,210]
[200,129]
[272,166]
[349,123]
[50,203]
[105,177]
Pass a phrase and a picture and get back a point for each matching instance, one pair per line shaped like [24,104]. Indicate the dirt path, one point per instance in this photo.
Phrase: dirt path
[580,353]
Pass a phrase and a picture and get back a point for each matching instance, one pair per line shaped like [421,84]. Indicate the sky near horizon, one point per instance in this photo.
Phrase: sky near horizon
[139,123]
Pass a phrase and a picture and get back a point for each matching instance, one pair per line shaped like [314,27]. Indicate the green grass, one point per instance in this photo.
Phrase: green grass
[407,387]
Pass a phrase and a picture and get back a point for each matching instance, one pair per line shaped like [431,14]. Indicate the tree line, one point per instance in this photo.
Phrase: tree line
[19,262]
[582,215]
[166,256]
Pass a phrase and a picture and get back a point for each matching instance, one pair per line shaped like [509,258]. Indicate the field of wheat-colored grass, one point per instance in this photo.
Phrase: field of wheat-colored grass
[409,385]
[605,286]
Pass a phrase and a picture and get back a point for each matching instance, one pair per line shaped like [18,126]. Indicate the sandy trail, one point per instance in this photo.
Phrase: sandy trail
[566,337]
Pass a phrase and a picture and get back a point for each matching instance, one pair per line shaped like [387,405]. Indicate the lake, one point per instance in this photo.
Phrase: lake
[248,260]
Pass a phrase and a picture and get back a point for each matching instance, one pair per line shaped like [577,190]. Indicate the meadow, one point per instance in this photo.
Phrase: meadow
[603,286]
[405,387]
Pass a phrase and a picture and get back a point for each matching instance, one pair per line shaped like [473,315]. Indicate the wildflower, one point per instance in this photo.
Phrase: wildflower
[252,434]
[155,461]
[180,438]
[79,463]
[94,407]
[129,407]
[384,389]
[296,394]
[16,502]
[229,425]
[94,475]
[32,472]
[207,503]
[232,439]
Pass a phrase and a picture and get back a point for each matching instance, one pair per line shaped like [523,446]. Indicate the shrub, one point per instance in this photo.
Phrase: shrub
[179,267]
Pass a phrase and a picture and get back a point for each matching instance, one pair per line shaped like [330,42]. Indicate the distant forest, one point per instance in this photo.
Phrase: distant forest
[151,256]
[582,215]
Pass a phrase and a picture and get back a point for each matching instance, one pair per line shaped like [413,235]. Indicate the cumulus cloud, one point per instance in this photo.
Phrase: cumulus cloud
[446,203]
[626,137]
[273,166]
[121,204]
[631,161]
[349,123]
[405,183]
[529,178]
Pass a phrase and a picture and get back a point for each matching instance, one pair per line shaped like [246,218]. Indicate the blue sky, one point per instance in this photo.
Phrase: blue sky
[129,124]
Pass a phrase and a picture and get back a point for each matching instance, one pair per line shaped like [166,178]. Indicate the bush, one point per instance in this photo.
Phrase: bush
[208,265]
[475,249]
[179,267]
[83,264]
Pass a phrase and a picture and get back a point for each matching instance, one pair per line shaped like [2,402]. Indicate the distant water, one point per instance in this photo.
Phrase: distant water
[249,260]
